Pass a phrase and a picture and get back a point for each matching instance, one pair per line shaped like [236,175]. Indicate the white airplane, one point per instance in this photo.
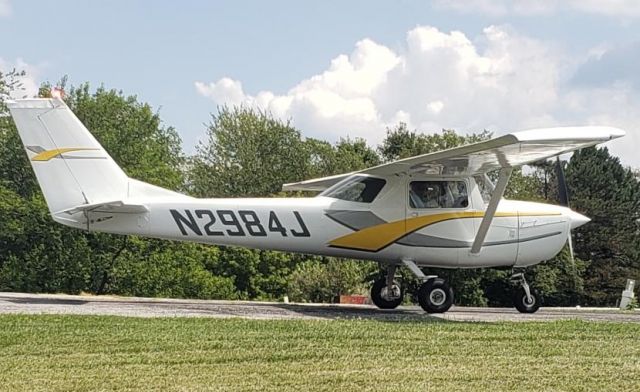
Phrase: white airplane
[431,210]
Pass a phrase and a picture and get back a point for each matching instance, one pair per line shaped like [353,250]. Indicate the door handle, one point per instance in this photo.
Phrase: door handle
[414,214]
[530,223]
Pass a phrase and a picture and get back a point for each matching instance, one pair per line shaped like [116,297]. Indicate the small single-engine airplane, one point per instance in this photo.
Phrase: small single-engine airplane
[436,210]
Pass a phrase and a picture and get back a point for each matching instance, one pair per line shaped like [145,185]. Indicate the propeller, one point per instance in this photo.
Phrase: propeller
[563,198]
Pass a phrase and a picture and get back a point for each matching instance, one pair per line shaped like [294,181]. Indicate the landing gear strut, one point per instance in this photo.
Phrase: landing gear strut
[525,298]
[386,293]
[434,294]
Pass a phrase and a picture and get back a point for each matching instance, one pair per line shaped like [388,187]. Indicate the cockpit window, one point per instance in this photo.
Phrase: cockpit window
[357,188]
[438,194]
[485,185]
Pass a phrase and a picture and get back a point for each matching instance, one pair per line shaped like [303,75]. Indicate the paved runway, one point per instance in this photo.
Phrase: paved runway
[19,303]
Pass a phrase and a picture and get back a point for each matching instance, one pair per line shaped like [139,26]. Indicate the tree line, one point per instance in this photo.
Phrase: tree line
[249,153]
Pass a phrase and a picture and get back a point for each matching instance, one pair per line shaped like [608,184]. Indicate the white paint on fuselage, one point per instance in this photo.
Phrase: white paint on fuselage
[520,240]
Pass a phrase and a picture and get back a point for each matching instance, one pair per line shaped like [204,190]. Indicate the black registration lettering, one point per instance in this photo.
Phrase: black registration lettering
[188,221]
[303,227]
[212,219]
[252,223]
[275,225]
[228,218]
[248,222]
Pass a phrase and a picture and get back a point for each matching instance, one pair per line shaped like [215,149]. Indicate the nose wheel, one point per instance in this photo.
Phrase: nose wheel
[525,298]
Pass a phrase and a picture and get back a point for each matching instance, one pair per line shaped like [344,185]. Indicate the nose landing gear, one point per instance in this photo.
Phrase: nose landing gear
[525,298]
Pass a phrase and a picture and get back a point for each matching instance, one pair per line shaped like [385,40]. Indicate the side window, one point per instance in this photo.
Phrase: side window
[485,186]
[438,194]
[357,188]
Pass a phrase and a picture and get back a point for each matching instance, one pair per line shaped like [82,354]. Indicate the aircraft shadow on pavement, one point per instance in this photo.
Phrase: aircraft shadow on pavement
[337,312]
[45,301]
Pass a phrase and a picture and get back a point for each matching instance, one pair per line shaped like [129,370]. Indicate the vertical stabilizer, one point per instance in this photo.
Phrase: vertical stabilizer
[71,166]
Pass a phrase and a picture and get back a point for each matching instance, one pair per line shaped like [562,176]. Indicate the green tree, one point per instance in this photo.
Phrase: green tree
[132,133]
[403,143]
[156,268]
[246,153]
[135,137]
[37,254]
[15,172]
[602,189]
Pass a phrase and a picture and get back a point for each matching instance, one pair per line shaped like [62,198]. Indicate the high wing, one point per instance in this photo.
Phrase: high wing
[508,151]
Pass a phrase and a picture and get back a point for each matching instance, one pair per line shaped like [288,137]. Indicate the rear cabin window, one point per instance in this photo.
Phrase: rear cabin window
[438,194]
[359,188]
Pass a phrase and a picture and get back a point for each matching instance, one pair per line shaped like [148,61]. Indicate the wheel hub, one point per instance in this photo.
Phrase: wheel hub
[529,301]
[437,297]
[390,294]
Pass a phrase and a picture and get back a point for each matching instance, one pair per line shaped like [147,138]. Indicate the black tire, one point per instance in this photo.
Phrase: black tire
[522,304]
[378,299]
[435,296]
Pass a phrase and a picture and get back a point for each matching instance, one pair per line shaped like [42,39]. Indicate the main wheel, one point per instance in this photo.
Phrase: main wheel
[384,298]
[435,296]
[524,304]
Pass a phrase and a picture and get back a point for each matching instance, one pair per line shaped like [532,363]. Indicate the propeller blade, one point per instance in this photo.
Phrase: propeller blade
[570,241]
[563,192]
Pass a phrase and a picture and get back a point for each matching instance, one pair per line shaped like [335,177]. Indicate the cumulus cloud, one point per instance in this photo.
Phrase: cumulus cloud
[341,98]
[622,8]
[29,83]
[5,8]
[500,81]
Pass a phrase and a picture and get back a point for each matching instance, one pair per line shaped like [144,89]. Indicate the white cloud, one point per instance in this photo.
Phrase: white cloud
[625,8]
[500,81]
[29,83]
[324,105]
[618,8]
[5,8]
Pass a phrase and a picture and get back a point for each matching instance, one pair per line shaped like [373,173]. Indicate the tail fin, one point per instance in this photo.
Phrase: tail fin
[71,166]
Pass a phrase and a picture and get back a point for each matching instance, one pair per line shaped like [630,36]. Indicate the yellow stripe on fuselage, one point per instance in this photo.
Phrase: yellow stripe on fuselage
[50,154]
[374,238]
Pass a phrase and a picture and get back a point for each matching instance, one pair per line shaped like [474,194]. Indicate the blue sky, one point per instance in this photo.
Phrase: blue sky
[338,68]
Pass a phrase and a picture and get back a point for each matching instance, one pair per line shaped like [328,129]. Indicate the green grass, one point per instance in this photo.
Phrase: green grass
[117,353]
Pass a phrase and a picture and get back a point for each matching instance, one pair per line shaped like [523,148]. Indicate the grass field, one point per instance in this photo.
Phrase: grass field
[116,353]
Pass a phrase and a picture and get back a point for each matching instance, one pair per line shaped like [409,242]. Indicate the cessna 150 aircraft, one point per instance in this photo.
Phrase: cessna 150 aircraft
[437,210]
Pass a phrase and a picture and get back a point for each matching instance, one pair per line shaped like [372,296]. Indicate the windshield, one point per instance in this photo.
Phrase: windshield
[357,188]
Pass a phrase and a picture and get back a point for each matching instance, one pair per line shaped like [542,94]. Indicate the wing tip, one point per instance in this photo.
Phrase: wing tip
[582,133]
[616,133]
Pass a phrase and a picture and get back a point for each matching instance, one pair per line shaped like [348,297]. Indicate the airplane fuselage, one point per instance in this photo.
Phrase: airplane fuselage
[388,229]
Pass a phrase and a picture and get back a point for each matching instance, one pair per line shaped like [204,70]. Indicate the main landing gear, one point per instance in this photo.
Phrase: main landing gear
[386,293]
[434,294]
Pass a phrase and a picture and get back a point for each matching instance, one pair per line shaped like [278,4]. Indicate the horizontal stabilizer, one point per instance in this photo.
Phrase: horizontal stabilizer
[116,207]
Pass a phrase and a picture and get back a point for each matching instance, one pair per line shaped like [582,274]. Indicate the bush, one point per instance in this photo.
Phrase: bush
[325,279]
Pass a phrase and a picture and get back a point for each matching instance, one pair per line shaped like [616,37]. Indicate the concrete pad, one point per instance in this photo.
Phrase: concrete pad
[21,303]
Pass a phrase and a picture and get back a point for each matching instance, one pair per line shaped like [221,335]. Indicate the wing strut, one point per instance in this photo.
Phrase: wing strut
[497,194]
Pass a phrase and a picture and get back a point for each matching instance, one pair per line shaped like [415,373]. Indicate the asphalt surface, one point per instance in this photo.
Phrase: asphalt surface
[20,303]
